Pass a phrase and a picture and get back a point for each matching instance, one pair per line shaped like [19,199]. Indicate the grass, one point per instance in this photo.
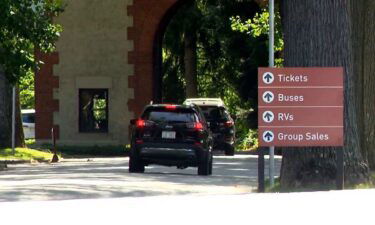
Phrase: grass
[25,154]
[367,185]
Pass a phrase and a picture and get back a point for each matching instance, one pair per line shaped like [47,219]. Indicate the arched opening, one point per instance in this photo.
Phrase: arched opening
[158,49]
[256,56]
[227,59]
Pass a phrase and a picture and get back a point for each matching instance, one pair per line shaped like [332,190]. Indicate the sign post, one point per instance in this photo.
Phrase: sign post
[271,64]
[14,120]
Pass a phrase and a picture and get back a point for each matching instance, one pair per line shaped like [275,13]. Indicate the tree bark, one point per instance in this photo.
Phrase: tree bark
[368,73]
[190,59]
[5,111]
[319,34]
[20,136]
[6,115]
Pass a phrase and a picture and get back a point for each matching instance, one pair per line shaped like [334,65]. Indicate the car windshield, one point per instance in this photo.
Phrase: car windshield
[176,116]
[214,113]
[28,118]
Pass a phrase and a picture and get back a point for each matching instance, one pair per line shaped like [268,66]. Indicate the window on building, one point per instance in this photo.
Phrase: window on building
[93,110]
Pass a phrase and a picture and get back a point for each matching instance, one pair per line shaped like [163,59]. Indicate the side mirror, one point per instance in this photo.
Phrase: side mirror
[133,121]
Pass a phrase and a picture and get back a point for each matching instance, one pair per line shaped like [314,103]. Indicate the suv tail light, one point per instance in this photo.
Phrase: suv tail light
[142,123]
[229,123]
[197,126]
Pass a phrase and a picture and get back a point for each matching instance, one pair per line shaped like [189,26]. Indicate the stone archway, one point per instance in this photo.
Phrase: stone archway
[151,18]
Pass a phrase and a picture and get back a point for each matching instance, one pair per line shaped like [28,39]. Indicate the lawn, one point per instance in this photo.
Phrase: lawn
[25,154]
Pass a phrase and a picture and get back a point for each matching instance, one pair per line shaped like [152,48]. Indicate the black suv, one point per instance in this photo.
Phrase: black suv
[220,122]
[171,135]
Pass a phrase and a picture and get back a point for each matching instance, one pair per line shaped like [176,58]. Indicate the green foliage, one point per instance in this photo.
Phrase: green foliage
[259,26]
[247,139]
[24,154]
[223,54]
[26,87]
[25,25]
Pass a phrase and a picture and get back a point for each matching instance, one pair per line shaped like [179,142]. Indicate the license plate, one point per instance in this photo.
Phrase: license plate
[168,135]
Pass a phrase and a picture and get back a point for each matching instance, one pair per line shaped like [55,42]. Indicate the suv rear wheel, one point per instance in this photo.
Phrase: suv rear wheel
[135,164]
[229,150]
[210,165]
[204,165]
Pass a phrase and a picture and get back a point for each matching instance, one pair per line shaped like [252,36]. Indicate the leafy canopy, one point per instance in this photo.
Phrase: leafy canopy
[259,26]
[227,59]
[25,25]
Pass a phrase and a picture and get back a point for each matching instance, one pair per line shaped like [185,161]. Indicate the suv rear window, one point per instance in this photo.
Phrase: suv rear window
[215,113]
[179,115]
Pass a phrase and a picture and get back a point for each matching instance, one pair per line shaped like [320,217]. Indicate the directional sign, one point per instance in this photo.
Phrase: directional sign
[301,106]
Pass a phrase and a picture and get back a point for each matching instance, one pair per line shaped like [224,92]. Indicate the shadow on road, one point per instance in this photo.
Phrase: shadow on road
[109,178]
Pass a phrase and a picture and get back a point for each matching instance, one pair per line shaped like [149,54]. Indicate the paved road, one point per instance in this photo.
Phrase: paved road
[108,178]
[314,208]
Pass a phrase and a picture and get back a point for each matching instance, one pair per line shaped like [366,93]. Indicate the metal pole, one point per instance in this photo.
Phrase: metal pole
[14,120]
[261,170]
[271,64]
[340,168]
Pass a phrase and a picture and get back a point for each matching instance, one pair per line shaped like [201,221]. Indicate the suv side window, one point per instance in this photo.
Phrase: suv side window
[215,113]
[201,115]
[28,118]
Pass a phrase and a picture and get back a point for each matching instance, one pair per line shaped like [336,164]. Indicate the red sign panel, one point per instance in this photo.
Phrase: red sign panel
[300,106]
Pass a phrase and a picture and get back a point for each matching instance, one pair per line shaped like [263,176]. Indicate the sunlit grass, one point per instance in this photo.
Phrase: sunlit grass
[369,184]
[24,154]
[30,142]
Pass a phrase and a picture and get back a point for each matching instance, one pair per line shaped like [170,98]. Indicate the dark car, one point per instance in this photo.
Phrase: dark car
[171,135]
[220,122]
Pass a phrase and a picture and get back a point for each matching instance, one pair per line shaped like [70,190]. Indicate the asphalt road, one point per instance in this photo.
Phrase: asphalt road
[109,178]
[309,208]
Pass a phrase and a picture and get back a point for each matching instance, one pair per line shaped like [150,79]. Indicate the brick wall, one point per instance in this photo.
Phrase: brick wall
[45,105]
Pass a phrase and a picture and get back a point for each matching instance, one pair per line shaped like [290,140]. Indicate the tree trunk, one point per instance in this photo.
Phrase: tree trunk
[368,70]
[191,64]
[5,112]
[317,34]
[6,115]
[20,136]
